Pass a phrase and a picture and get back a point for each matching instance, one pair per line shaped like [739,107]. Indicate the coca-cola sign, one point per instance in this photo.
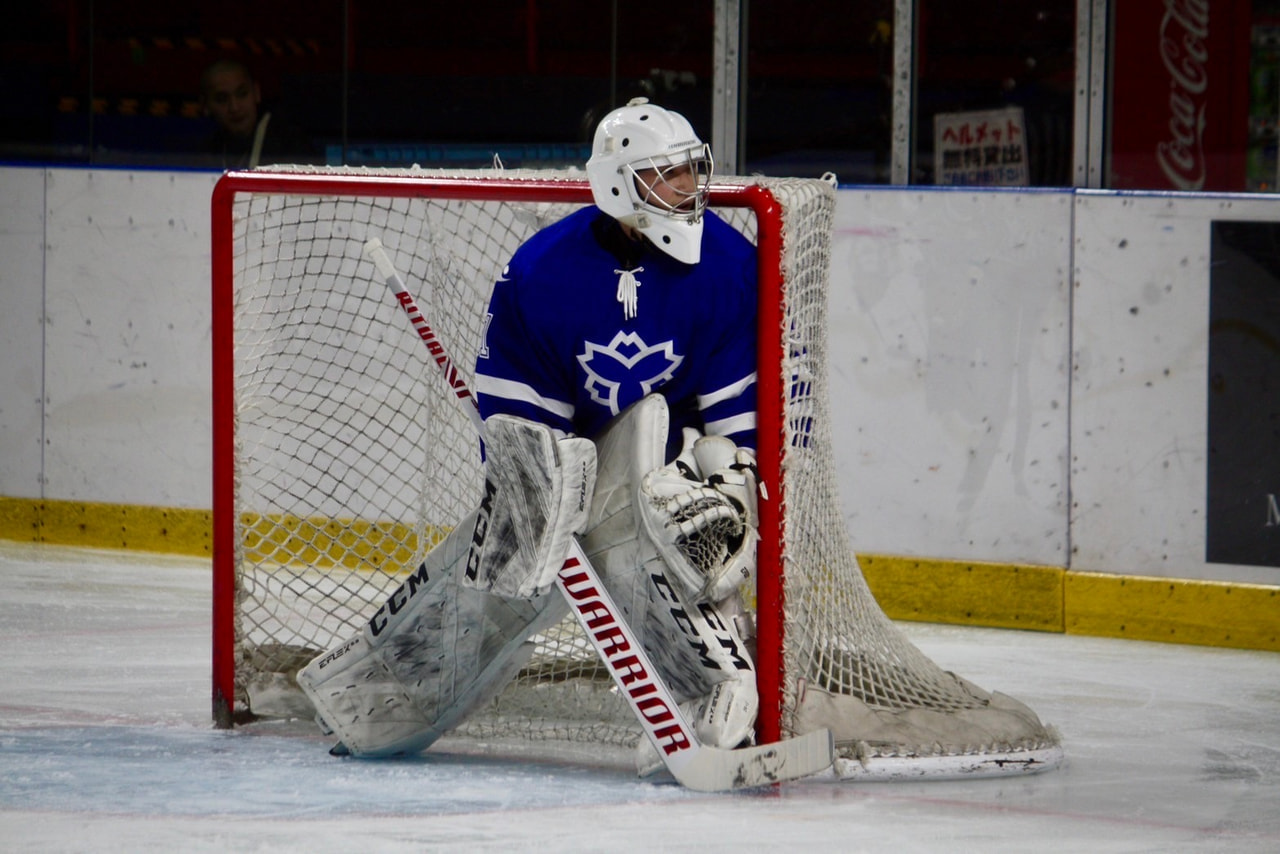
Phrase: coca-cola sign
[1184,52]
[1179,106]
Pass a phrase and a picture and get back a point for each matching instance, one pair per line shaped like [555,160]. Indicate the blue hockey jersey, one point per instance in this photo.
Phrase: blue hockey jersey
[584,321]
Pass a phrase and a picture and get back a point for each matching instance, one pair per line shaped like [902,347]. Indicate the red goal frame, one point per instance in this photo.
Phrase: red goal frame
[770,393]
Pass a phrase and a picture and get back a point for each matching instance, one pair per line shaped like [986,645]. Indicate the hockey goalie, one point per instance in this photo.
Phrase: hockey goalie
[617,386]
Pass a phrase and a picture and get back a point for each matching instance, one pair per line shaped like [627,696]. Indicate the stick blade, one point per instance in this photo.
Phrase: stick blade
[714,770]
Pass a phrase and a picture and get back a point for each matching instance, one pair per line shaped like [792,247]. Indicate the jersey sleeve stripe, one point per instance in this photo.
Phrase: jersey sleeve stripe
[728,426]
[706,401]
[522,393]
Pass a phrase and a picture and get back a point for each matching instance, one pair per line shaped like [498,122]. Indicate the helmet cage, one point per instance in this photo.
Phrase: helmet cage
[656,192]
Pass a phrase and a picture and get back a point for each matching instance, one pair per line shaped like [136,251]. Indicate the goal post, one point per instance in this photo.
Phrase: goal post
[313,527]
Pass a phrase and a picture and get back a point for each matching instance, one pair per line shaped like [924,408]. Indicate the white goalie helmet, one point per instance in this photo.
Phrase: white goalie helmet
[649,170]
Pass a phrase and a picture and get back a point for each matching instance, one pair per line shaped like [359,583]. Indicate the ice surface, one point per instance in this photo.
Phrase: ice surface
[106,744]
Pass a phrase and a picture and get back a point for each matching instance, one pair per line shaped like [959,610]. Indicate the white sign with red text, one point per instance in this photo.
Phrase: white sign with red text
[985,148]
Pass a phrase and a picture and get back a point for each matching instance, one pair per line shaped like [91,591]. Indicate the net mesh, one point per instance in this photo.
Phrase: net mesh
[352,460]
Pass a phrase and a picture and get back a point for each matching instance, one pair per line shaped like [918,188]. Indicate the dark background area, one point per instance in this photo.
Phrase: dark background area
[1244,394]
[392,83]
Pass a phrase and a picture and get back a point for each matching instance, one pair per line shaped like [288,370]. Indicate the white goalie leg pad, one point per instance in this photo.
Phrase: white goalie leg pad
[433,652]
[537,494]
[724,718]
[691,644]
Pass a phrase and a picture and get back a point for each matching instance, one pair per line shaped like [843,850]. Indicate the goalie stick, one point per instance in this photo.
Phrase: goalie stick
[693,764]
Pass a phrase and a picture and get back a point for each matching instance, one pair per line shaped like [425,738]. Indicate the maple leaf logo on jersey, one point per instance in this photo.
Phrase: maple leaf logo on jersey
[627,369]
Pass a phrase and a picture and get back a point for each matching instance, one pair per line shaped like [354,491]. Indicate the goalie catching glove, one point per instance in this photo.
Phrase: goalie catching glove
[701,513]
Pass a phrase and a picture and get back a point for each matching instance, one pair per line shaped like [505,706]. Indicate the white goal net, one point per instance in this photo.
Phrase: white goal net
[341,458]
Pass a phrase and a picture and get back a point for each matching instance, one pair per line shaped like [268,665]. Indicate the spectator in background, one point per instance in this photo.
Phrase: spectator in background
[247,136]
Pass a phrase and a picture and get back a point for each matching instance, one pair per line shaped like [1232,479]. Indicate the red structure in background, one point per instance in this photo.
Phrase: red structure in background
[1179,117]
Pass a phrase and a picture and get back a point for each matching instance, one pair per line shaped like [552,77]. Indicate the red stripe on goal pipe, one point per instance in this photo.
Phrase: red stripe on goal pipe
[223,402]
[771,439]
